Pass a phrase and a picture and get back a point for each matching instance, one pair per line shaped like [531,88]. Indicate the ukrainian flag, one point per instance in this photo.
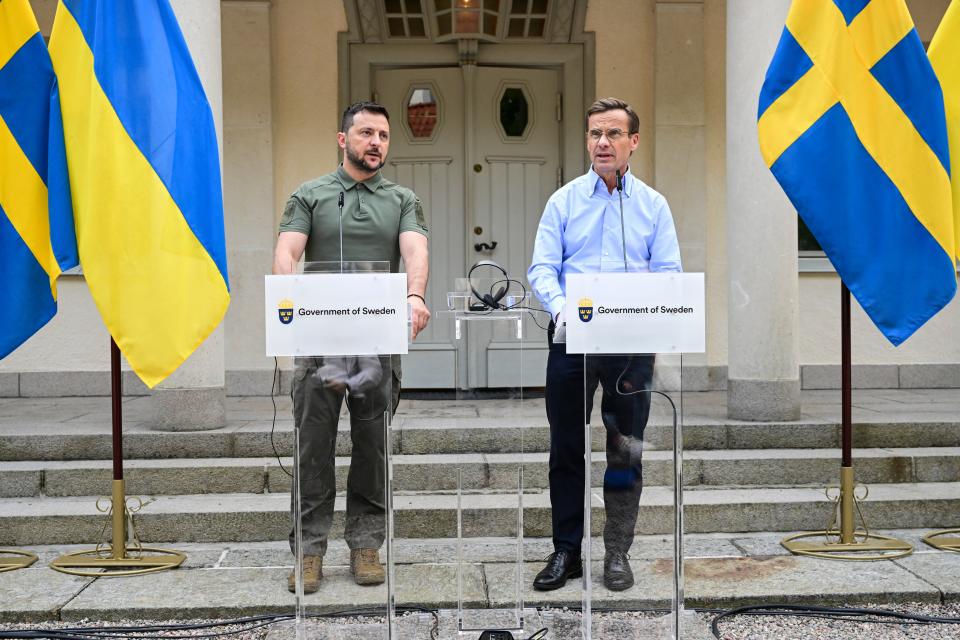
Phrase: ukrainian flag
[145,174]
[37,240]
[851,123]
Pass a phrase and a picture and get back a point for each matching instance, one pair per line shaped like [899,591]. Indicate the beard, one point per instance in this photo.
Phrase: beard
[358,161]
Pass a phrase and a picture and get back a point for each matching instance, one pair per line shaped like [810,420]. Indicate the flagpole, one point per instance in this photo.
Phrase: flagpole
[119,500]
[847,543]
[123,555]
[846,420]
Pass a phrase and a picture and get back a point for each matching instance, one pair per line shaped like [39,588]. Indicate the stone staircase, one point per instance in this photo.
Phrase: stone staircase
[228,485]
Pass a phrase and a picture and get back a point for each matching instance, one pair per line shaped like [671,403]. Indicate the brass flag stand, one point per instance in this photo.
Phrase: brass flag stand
[848,542]
[938,540]
[13,559]
[123,555]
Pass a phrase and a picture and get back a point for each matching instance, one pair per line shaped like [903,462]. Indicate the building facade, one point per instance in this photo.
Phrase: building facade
[487,99]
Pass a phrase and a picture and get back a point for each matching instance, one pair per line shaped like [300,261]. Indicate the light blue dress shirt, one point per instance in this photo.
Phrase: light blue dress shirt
[580,233]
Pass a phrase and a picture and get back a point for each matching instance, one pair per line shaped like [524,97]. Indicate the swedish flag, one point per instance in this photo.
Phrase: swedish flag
[852,125]
[37,238]
[944,55]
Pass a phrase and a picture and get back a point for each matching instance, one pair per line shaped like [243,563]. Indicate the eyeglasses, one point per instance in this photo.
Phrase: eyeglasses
[612,134]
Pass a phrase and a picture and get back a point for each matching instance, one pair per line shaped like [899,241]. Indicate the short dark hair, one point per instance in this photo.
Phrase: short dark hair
[346,121]
[613,104]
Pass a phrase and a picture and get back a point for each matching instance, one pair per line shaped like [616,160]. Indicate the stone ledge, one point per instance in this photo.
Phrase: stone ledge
[929,376]
[864,376]
[257,382]
[9,385]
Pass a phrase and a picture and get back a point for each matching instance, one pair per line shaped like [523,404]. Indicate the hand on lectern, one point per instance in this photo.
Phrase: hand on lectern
[560,326]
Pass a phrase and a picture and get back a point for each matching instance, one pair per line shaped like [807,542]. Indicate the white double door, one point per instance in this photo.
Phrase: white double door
[481,148]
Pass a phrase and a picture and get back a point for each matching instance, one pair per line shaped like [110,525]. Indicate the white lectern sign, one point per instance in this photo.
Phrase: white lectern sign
[635,313]
[324,314]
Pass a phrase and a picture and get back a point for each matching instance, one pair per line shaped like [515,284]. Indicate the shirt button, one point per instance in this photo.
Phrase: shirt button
[361,200]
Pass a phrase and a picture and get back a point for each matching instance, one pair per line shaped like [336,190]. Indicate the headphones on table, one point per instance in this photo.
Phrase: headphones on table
[490,300]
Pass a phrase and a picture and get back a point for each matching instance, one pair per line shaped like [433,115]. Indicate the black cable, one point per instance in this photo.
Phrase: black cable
[275,389]
[182,626]
[519,306]
[843,613]
[254,622]
[248,623]
[99,633]
[534,318]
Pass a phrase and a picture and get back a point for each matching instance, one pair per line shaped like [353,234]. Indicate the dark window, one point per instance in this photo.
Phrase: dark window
[514,116]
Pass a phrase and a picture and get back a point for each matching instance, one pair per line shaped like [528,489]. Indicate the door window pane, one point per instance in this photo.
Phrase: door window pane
[444,24]
[422,113]
[490,24]
[416,28]
[395,26]
[514,112]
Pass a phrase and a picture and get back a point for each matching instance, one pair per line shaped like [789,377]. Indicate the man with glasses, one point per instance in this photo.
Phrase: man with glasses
[586,229]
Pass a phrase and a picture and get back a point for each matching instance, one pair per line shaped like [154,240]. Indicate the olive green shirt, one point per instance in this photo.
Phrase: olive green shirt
[375,213]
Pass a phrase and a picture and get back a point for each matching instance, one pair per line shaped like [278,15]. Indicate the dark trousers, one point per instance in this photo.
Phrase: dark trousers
[571,384]
[320,386]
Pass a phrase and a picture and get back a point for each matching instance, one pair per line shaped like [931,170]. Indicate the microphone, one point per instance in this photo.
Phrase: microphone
[340,206]
[623,233]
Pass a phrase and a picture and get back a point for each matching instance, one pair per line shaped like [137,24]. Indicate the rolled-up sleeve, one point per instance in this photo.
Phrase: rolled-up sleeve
[544,271]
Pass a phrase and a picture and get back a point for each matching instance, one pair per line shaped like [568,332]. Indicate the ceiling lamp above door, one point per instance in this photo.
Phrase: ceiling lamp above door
[485,20]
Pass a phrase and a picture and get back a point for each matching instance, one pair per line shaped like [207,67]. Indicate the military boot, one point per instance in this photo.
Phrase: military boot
[312,572]
[365,566]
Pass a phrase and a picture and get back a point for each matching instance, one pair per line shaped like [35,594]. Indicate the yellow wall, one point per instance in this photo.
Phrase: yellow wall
[303,49]
[625,44]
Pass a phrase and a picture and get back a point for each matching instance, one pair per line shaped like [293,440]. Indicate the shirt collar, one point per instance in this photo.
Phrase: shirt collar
[373,183]
[596,183]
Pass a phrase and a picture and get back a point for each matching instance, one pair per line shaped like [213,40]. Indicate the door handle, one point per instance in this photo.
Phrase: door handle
[483,246]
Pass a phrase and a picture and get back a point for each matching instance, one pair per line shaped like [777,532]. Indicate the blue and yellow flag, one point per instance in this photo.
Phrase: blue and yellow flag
[944,55]
[37,240]
[145,173]
[851,123]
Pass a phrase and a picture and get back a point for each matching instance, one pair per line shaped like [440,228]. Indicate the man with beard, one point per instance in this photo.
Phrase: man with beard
[381,221]
[587,228]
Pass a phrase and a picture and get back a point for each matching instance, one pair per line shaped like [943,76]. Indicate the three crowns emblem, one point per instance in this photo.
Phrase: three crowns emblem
[585,309]
[285,311]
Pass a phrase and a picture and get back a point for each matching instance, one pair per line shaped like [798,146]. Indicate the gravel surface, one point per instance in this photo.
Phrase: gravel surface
[750,627]
[621,625]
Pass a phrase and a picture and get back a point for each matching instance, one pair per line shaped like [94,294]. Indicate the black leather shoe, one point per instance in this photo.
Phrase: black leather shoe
[617,574]
[561,565]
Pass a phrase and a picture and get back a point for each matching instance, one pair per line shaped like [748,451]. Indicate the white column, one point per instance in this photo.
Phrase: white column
[194,398]
[763,373]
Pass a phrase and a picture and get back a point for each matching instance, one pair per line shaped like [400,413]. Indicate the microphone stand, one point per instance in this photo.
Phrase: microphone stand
[623,233]
[340,206]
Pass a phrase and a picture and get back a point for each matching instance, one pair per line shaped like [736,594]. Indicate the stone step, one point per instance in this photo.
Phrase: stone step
[246,517]
[29,438]
[494,471]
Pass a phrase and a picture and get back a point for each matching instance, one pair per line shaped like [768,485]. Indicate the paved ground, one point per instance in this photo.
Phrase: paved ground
[221,580]
[722,570]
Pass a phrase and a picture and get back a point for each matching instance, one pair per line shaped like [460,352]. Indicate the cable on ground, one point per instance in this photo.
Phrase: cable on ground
[852,614]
